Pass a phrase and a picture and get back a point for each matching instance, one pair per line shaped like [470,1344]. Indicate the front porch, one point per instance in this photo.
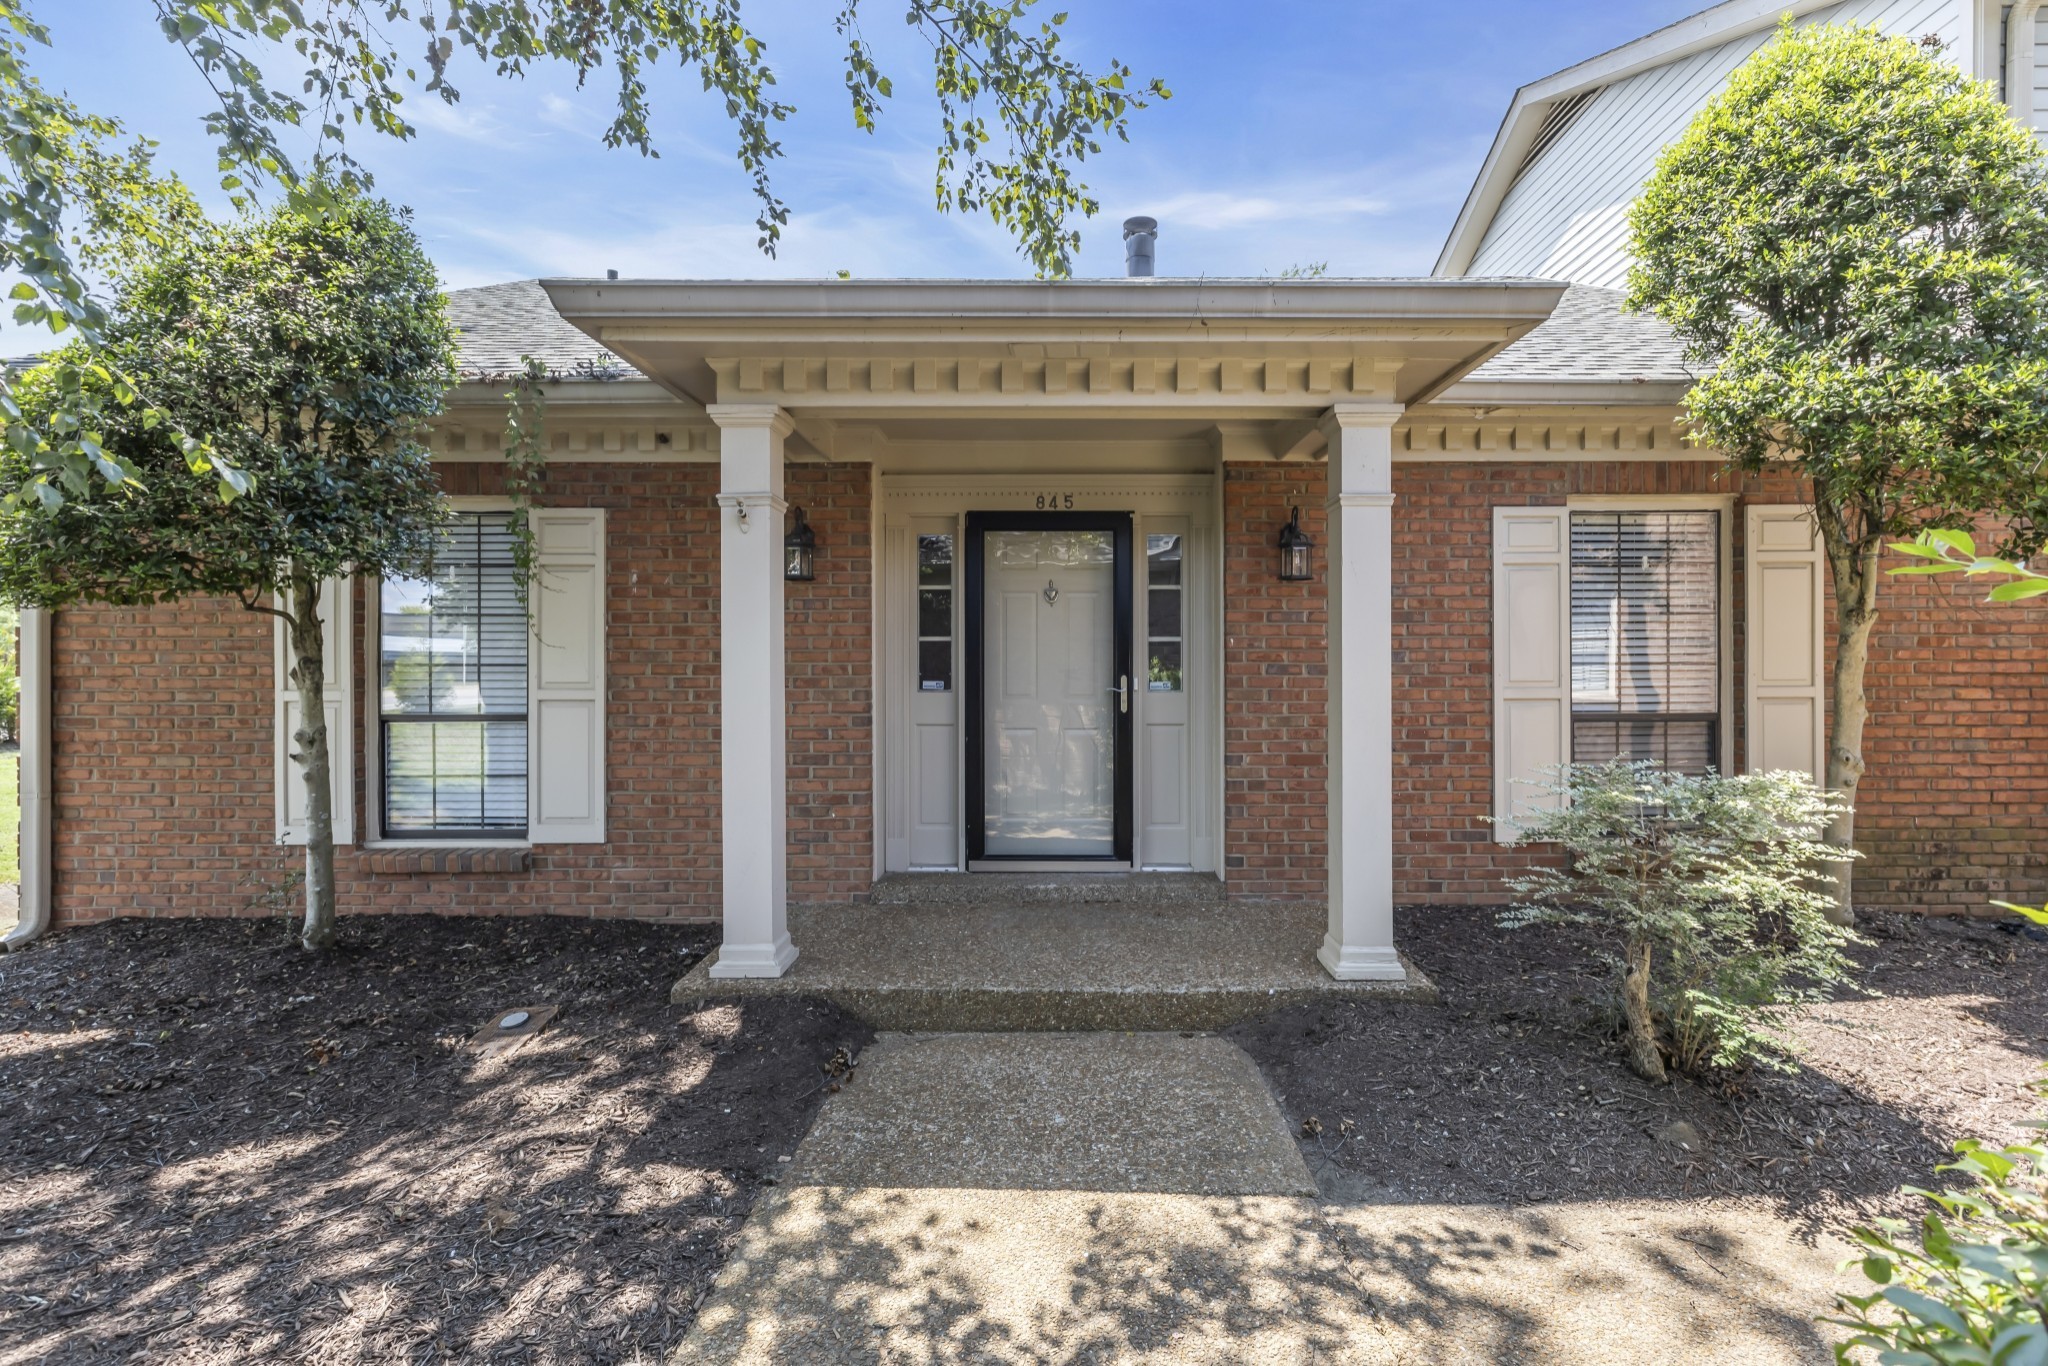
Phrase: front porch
[1058,951]
[1082,648]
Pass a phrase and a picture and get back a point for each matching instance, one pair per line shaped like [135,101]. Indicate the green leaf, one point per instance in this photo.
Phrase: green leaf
[2037,914]
[2021,1344]
[1915,548]
[1926,1309]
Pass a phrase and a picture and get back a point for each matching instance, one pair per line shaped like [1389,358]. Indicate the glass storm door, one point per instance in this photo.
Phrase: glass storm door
[1049,686]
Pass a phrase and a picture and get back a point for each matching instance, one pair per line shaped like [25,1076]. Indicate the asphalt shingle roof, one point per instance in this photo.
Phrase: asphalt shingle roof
[1589,339]
[501,323]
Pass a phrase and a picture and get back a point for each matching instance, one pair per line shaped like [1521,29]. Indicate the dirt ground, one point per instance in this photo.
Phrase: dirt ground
[218,1149]
[1514,1090]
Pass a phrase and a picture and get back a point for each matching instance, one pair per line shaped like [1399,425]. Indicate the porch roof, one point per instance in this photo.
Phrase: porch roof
[1024,347]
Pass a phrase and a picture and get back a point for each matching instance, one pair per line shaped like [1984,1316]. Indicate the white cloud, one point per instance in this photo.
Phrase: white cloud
[1220,209]
[466,121]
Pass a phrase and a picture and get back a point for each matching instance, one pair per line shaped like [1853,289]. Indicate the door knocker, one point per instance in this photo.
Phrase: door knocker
[1052,593]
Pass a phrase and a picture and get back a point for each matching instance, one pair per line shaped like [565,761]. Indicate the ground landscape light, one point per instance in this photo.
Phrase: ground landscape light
[1297,551]
[800,551]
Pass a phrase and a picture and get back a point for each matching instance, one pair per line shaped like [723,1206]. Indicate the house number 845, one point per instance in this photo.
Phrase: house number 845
[1057,501]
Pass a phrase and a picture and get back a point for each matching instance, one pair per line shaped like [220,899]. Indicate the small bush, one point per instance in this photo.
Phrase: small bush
[10,694]
[1970,1282]
[1706,892]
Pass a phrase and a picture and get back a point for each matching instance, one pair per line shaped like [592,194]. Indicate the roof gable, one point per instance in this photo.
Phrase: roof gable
[1559,191]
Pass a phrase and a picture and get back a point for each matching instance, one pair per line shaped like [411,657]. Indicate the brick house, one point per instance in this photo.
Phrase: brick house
[848,579]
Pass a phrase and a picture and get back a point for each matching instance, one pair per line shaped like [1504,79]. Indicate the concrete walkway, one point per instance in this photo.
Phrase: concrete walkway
[1135,1198]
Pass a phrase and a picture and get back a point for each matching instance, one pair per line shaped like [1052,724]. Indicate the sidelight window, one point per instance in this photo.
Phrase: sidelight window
[1165,613]
[935,613]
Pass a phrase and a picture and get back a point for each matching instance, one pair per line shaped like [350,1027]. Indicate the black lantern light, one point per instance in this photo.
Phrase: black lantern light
[1296,551]
[800,551]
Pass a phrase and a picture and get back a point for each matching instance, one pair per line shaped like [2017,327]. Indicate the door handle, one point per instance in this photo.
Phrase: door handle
[1123,693]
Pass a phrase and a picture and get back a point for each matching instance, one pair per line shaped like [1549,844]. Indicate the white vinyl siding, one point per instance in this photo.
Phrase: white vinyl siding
[1785,681]
[1564,219]
[2038,119]
[337,694]
[1532,658]
[566,696]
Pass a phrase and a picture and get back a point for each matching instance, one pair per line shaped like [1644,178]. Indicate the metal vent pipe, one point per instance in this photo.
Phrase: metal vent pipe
[1139,236]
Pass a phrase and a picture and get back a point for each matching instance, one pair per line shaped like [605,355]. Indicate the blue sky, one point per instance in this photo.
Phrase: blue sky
[1303,131]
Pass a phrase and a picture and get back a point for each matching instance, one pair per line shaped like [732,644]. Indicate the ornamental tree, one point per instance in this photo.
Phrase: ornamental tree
[1851,240]
[310,350]
[1695,890]
[1017,117]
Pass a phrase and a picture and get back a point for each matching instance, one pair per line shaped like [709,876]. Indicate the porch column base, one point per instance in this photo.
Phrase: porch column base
[754,960]
[1353,962]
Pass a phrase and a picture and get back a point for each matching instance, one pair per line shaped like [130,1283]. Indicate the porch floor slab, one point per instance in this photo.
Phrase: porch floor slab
[1012,963]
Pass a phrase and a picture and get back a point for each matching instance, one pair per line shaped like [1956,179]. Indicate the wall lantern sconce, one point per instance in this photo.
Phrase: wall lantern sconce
[800,551]
[1297,551]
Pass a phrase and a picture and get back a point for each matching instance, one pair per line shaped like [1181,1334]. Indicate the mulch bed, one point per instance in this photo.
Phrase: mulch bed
[216,1148]
[1515,1089]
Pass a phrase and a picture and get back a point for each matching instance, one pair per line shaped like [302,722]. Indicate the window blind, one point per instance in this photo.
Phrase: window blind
[453,689]
[1646,637]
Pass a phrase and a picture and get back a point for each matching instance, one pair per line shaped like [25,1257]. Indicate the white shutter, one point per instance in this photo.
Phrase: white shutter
[565,679]
[338,694]
[1532,682]
[1785,672]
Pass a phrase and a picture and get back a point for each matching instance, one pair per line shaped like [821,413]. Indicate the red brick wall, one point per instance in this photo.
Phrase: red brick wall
[1275,694]
[1953,810]
[162,750]
[163,717]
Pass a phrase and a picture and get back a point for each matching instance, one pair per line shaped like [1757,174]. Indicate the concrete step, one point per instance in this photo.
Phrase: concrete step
[1057,965]
[1047,889]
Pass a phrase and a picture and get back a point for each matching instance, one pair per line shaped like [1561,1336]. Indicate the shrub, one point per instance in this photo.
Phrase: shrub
[1707,892]
[10,672]
[10,694]
[1971,1283]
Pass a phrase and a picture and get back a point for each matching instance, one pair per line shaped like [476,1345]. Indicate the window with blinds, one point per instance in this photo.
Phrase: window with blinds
[453,690]
[1646,637]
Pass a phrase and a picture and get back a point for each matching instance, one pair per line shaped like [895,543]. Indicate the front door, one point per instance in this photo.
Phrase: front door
[1048,665]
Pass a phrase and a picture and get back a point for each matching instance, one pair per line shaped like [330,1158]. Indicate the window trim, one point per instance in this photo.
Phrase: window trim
[373,719]
[1729,506]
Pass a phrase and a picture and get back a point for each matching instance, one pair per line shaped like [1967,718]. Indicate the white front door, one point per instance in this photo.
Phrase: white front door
[1054,692]
[950,798]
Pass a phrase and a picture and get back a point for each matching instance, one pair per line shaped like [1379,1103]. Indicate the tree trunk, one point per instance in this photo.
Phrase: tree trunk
[309,668]
[1854,570]
[1645,1059]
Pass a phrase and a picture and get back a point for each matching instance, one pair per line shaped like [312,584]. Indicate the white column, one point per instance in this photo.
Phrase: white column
[754,772]
[36,802]
[1360,944]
